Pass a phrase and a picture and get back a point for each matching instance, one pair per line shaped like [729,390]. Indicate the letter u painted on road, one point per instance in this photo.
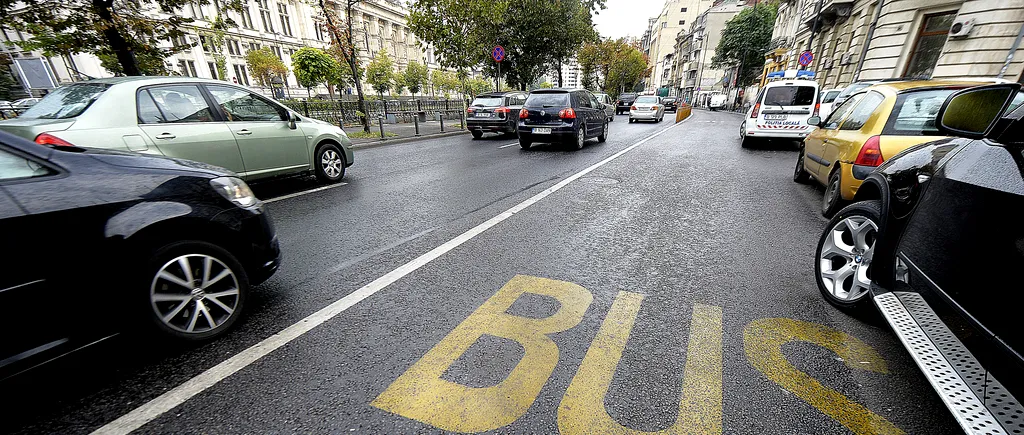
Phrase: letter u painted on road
[421,394]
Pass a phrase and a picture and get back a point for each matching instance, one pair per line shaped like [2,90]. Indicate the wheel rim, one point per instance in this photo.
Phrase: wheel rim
[830,193]
[331,163]
[845,257]
[799,166]
[606,130]
[194,293]
[743,130]
[580,137]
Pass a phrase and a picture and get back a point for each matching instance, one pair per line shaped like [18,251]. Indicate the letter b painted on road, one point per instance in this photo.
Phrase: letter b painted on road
[421,394]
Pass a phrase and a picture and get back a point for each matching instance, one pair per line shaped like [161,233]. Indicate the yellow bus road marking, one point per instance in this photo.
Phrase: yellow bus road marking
[763,340]
[582,410]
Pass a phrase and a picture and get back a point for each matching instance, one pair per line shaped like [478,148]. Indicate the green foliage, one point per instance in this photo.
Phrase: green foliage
[546,85]
[478,86]
[127,38]
[612,66]
[369,135]
[264,65]
[745,39]
[399,82]
[312,66]
[415,76]
[381,73]
[464,32]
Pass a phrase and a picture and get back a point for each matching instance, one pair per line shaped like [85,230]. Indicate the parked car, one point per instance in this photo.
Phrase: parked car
[646,107]
[210,121]
[24,103]
[717,101]
[670,103]
[623,102]
[934,241]
[144,241]
[780,111]
[609,106]
[871,126]
[827,98]
[494,112]
[568,116]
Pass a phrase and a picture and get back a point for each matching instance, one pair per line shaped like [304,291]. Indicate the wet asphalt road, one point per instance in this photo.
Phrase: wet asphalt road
[682,268]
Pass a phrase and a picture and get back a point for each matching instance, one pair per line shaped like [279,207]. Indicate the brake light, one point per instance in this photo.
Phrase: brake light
[632,107]
[654,107]
[502,110]
[817,107]
[49,139]
[757,108]
[870,154]
[469,111]
[567,113]
[523,113]
[619,102]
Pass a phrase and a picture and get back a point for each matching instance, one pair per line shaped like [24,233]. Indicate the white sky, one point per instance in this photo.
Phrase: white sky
[626,17]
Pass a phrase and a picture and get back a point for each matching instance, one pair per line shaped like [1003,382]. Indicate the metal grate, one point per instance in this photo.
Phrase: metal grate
[955,391]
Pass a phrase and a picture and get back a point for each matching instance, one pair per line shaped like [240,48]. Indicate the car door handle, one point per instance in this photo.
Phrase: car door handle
[243,132]
[165,136]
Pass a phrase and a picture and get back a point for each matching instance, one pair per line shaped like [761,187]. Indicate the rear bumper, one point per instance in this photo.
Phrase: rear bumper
[643,115]
[777,132]
[503,125]
[559,133]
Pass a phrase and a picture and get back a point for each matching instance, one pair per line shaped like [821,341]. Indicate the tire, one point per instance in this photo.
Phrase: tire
[604,133]
[330,163]
[169,298]
[800,174]
[581,138]
[477,134]
[832,200]
[845,251]
[631,120]
[525,143]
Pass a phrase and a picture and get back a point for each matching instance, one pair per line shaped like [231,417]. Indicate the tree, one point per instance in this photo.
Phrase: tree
[546,85]
[612,65]
[745,39]
[381,73]
[479,86]
[264,65]
[399,82]
[343,38]
[444,82]
[415,76]
[312,67]
[110,29]
[575,26]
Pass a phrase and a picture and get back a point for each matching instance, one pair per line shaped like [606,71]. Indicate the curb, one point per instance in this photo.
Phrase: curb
[401,140]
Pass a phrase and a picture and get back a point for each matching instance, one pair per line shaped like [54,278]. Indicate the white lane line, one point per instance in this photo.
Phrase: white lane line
[509,145]
[178,395]
[304,192]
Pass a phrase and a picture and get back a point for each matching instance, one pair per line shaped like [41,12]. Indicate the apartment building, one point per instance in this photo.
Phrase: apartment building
[877,39]
[693,75]
[284,26]
[675,16]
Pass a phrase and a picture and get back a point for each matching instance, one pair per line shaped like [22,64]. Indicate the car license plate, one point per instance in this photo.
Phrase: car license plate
[483,115]
[542,131]
[775,117]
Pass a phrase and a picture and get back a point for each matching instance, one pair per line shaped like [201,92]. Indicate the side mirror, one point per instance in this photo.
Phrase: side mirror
[291,120]
[971,113]
[814,120]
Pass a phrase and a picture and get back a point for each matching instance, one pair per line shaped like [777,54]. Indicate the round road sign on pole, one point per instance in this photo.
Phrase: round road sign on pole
[806,58]
[498,53]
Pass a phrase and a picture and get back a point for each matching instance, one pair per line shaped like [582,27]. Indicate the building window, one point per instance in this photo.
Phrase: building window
[253,46]
[240,75]
[187,68]
[233,48]
[681,22]
[664,25]
[286,24]
[321,31]
[195,11]
[180,41]
[246,16]
[265,17]
[213,69]
[205,42]
[682,10]
[928,46]
[277,52]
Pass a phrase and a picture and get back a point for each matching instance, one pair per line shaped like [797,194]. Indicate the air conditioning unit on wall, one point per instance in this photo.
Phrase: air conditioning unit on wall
[961,27]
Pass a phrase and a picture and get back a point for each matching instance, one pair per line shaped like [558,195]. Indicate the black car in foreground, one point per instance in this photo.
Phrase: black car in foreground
[569,116]
[935,239]
[624,101]
[99,242]
[494,112]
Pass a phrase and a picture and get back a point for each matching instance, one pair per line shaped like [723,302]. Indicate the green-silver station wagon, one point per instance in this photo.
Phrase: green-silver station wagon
[204,120]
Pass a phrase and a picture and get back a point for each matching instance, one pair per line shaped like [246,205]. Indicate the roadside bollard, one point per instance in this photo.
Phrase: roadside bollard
[380,122]
[462,120]
[416,124]
[440,115]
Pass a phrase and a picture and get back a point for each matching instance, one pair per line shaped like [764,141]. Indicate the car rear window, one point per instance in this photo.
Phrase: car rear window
[66,101]
[646,100]
[790,96]
[915,112]
[486,101]
[560,99]
[830,96]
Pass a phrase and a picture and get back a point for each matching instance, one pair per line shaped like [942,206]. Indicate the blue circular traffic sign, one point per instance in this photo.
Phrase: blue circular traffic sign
[806,58]
[498,53]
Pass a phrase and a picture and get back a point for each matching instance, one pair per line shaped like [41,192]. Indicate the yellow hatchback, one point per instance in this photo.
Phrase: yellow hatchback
[867,129]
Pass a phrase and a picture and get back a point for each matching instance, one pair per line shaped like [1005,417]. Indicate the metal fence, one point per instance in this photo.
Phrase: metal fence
[402,111]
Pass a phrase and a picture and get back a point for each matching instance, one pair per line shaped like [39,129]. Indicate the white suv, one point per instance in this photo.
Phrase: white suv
[781,110]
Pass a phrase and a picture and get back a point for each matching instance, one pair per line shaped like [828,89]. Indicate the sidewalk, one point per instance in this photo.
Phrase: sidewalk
[404,132]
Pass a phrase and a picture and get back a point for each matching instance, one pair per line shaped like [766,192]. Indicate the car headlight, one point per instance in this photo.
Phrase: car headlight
[235,190]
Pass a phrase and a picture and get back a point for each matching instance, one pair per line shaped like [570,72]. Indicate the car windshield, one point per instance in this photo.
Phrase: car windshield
[830,96]
[548,99]
[66,102]
[789,96]
[624,96]
[646,100]
[486,101]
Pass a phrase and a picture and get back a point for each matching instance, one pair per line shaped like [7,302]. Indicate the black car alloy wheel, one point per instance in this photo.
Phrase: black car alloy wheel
[845,252]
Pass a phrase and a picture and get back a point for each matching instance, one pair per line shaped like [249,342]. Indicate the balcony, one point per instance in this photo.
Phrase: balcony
[831,11]
[689,83]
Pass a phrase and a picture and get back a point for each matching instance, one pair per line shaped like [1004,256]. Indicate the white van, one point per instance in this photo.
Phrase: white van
[717,101]
[781,110]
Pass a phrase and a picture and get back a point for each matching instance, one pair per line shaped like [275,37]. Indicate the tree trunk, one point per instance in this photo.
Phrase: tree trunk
[116,41]
[350,53]
[559,72]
